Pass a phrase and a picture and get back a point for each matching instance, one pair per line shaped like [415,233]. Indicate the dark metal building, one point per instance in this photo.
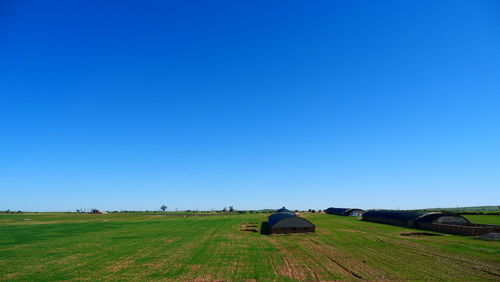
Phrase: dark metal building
[286,221]
[283,209]
[345,212]
[414,219]
[435,221]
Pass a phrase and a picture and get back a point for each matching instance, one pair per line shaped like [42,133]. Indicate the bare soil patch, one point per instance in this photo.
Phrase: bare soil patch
[353,231]
[195,266]
[119,265]
[249,230]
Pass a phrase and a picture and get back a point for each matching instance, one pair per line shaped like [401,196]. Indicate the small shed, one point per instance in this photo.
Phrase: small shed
[288,222]
[345,211]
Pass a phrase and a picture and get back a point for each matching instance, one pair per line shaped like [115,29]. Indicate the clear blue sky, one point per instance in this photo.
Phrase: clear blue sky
[256,104]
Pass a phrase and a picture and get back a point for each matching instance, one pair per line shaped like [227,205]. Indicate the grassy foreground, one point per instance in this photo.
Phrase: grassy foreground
[148,247]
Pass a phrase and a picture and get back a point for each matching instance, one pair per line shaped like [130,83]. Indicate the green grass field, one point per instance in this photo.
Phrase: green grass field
[484,219]
[148,247]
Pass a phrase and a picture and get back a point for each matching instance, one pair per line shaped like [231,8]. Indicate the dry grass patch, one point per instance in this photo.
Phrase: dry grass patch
[352,231]
[119,265]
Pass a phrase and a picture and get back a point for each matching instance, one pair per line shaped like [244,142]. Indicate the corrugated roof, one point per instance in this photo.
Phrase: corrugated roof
[339,211]
[399,215]
[342,211]
[408,215]
[293,222]
[275,217]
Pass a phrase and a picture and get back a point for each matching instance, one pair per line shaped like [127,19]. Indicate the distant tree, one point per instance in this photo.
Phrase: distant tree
[231,209]
[163,208]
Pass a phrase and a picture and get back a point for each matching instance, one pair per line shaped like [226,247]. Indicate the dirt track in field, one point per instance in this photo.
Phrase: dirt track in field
[388,258]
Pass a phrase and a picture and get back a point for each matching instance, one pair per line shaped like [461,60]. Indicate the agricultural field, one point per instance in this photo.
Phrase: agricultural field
[484,219]
[154,247]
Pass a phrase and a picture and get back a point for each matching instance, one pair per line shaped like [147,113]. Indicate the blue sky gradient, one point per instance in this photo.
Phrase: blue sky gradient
[205,104]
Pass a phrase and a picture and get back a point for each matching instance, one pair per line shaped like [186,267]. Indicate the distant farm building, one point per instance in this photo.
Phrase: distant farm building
[413,219]
[283,209]
[96,211]
[286,221]
[345,212]
[434,221]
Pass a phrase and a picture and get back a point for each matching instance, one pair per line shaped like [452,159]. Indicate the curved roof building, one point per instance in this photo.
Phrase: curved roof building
[345,211]
[287,221]
[413,219]
[283,209]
